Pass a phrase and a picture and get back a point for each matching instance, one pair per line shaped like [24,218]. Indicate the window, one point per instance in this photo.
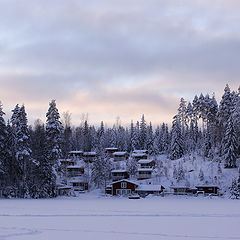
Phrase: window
[123,184]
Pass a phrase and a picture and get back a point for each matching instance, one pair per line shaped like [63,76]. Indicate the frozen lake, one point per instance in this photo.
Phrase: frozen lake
[113,219]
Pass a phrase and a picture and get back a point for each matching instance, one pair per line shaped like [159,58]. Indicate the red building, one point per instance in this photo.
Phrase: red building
[123,187]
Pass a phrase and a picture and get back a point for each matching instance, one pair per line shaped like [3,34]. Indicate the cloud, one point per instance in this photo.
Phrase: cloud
[113,58]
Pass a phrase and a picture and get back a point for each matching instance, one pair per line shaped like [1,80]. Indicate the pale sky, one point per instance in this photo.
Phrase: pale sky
[114,58]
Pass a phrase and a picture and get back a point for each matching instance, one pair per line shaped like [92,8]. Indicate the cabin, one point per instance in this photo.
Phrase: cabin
[120,156]
[147,163]
[144,173]
[145,189]
[75,171]
[75,154]
[89,157]
[63,190]
[119,175]
[140,154]
[183,190]
[66,162]
[207,189]
[110,150]
[79,184]
[124,187]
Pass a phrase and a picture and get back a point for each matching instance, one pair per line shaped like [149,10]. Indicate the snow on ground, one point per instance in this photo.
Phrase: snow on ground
[92,216]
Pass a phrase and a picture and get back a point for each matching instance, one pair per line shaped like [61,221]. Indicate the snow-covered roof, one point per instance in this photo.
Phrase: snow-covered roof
[145,169]
[75,152]
[179,187]
[139,154]
[125,180]
[149,187]
[206,185]
[81,180]
[66,160]
[118,171]
[140,151]
[64,187]
[111,148]
[145,161]
[90,153]
[76,167]
[119,153]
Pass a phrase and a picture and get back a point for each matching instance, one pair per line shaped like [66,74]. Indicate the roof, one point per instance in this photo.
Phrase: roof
[64,187]
[180,187]
[118,171]
[77,167]
[111,148]
[198,186]
[149,187]
[76,152]
[66,160]
[119,153]
[145,161]
[145,169]
[78,181]
[125,180]
[140,151]
[139,154]
[89,153]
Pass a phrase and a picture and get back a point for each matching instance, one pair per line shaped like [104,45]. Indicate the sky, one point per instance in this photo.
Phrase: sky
[116,58]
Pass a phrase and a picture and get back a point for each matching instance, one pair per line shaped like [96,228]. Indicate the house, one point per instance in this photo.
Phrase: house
[207,189]
[110,150]
[79,184]
[89,156]
[119,174]
[145,189]
[123,187]
[120,156]
[75,171]
[144,173]
[63,190]
[66,162]
[147,163]
[183,190]
[75,154]
[140,154]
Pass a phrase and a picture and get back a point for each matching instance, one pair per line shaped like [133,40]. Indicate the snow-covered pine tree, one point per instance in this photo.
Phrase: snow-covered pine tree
[176,148]
[235,189]
[3,149]
[54,131]
[230,145]
[150,139]
[23,151]
[143,133]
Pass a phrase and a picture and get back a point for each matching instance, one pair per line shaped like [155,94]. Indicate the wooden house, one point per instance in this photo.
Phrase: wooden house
[75,171]
[63,190]
[110,150]
[140,154]
[75,154]
[147,163]
[89,156]
[207,189]
[145,189]
[66,162]
[120,156]
[119,175]
[124,187]
[144,173]
[79,184]
[183,190]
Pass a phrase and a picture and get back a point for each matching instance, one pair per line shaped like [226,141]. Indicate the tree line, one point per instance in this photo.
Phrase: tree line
[29,154]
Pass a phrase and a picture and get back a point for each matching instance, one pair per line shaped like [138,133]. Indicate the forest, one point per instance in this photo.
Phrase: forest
[29,154]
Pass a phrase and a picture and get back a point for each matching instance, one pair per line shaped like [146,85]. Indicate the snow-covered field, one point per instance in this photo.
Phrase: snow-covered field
[92,217]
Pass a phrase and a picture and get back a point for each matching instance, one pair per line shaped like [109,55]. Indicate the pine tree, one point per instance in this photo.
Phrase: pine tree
[235,189]
[54,130]
[143,133]
[230,145]
[201,175]
[176,149]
